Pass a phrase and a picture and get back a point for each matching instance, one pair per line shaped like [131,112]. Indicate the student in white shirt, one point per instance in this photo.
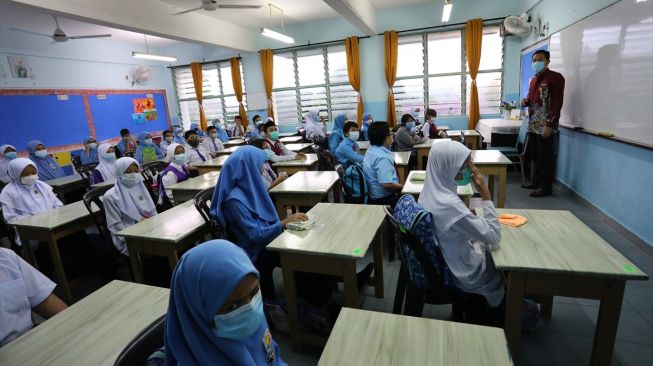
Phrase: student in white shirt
[174,173]
[23,289]
[313,125]
[237,129]
[281,153]
[212,142]
[166,140]
[195,152]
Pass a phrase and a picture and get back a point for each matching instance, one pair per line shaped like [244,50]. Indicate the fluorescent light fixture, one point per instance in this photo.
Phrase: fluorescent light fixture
[446,11]
[276,35]
[151,56]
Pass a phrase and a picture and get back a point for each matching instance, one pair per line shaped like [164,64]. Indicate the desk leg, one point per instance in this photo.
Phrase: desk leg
[29,253]
[281,209]
[547,305]
[490,185]
[173,258]
[401,171]
[336,192]
[351,285]
[514,303]
[58,268]
[420,159]
[290,290]
[378,261]
[606,324]
[502,187]
[136,267]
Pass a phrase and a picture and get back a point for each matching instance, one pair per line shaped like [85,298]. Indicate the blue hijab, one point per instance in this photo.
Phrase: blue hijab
[92,156]
[203,279]
[240,179]
[337,135]
[180,140]
[196,127]
[48,167]
[141,144]
[222,134]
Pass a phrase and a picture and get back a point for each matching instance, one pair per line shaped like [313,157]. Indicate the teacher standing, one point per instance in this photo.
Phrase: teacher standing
[544,101]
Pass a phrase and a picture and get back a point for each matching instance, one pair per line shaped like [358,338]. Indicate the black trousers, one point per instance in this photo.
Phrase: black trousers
[544,152]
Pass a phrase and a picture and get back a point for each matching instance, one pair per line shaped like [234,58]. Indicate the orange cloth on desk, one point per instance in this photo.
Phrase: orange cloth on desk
[512,220]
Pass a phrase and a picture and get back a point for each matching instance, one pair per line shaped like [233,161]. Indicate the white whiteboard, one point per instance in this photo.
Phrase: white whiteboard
[607,61]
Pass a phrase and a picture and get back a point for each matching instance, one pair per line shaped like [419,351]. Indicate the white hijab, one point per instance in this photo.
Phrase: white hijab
[313,124]
[106,169]
[170,152]
[135,201]
[4,163]
[439,194]
[26,199]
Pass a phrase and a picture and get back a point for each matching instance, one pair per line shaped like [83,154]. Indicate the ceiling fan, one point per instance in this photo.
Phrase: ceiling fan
[211,5]
[59,35]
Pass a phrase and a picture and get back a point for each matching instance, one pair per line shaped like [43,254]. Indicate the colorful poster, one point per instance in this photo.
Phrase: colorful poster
[144,110]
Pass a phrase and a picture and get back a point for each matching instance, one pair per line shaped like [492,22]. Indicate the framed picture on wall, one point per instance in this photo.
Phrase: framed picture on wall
[19,67]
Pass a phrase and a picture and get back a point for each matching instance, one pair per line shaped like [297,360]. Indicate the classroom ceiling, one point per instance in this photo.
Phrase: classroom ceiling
[380,4]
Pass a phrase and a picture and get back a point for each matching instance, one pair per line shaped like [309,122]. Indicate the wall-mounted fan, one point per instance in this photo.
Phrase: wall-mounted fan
[59,35]
[212,5]
[140,76]
[519,26]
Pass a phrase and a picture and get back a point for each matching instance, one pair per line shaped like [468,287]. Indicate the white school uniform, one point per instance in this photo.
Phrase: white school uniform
[212,145]
[286,154]
[163,145]
[193,154]
[170,179]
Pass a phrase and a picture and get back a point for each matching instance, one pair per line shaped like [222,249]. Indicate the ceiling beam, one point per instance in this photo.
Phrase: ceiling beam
[153,18]
[360,13]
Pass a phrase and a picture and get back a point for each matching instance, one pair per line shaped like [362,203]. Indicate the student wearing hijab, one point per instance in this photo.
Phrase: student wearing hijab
[195,152]
[47,166]
[25,195]
[174,173]
[222,133]
[127,145]
[466,239]
[196,127]
[336,136]
[23,289]
[7,154]
[365,124]
[89,155]
[348,152]
[281,153]
[106,169]
[404,137]
[166,140]
[179,136]
[212,142]
[270,178]
[128,202]
[313,125]
[215,313]
[147,150]
[379,167]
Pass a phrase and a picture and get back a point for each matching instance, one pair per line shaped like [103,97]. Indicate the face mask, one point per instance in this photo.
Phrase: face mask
[416,115]
[92,146]
[169,139]
[269,153]
[110,157]
[131,179]
[180,135]
[242,322]
[274,135]
[194,142]
[213,135]
[537,66]
[29,180]
[410,125]
[41,154]
[353,136]
[148,141]
[466,174]
[180,159]
[11,155]
[368,122]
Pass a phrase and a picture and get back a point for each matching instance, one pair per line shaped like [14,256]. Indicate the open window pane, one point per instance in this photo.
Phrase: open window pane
[410,56]
[343,100]
[444,52]
[284,71]
[409,93]
[489,92]
[445,95]
[285,106]
[310,67]
[337,64]
[313,98]
[491,49]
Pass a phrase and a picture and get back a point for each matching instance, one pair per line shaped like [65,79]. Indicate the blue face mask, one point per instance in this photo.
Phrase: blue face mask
[180,159]
[410,125]
[110,157]
[11,155]
[41,154]
[242,322]
[148,141]
[269,153]
[353,136]
[92,146]
[131,179]
[537,66]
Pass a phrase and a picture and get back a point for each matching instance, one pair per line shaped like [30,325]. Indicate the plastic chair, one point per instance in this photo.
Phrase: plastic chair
[86,171]
[518,155]
[144,344]
[202,202]
[149,171]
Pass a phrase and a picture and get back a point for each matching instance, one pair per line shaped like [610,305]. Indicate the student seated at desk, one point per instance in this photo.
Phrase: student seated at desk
[336,136]
[147,150]
[215,313]
[195,152]
[404,137]
[348,152]
[313,125]
[379,167]
[270,178]
[429,128]
[23,289]
[365,125]
[7,154]
[106,169]
[466,239]
[48,168]
[212,143]
[237,129]
[166,140]
[174,173]
[127,145]
[179,135]
[196,127]
[128,202]
[281,153]
[222,133]
[257,128]
[89,155]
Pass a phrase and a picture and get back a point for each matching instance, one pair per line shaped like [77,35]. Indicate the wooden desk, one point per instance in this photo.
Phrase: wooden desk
[235,142]
[554,253]
[363,145]
[186,191]
[304,146]
[211,165]
[305,189]
[288,134]
[91,332]
[164,235]
[102,184]
[423,151]
[291,139]
[51,226]
[493,163]
[293,166]
[444,128]
[227,151]
[367,338]
[342,235]
[472,138]
[401,159]
[67,184]
[414,188]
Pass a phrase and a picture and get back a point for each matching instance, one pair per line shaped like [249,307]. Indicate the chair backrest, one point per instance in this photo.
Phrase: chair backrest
[523,129]
[77,161]
[149,171]
[95,196]
[86,171]
[202,202]
[144,344]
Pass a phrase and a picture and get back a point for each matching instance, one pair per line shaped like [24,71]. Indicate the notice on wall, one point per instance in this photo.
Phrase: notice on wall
[144,110]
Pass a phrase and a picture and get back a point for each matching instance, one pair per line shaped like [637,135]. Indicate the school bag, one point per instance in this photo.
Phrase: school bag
[354,184]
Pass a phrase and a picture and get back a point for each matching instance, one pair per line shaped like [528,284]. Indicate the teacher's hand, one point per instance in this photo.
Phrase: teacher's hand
[547,132]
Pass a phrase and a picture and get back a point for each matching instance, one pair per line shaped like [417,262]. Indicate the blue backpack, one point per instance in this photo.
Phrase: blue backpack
[354,184]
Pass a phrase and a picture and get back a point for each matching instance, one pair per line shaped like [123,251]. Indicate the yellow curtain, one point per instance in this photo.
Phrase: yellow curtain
[354,72]
[196,70]
[238,88]
[266,66]
[473,40]
[390,41]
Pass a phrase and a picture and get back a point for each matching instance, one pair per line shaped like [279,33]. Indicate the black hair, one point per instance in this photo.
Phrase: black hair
[377,132]
[348,126]
[237,117]
[547,54]
[258,143]
[166,131]
[255,117]
[431,112]
[211,128]
[267,125]
[405,118]
[124,132]
[189,133]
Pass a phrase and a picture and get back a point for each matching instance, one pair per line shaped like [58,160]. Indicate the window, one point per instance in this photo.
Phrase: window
[218,92]
[313,78]
[432,70]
